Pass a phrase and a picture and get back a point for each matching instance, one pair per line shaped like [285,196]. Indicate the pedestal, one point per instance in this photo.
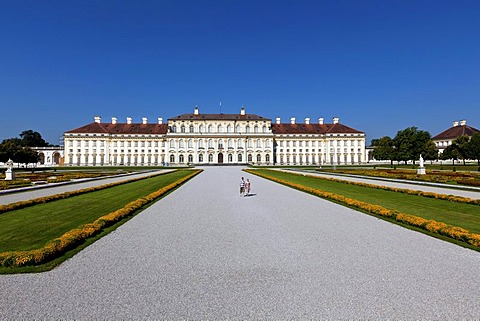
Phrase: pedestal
[9,175]
[421,171]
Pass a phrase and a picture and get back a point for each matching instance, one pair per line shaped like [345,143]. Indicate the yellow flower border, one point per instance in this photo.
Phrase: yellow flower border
[432,226]
[76,236]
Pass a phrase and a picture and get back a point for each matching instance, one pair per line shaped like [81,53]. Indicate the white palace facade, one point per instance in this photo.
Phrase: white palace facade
[202,139]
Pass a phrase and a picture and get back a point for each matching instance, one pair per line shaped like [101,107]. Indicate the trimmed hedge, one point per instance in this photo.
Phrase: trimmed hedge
[77,236]
[432,226]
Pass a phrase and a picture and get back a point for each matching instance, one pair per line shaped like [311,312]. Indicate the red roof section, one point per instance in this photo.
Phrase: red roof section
[456,131]
[313,129]
[108,128]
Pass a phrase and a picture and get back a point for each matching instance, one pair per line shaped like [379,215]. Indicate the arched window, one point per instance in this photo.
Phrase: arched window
[230,158]
[230,143]
[172,143]
[190,143]
[190,158]
[249,158]
[200,143]
[191,129]
[267,143]
[229,129]
[220,143]
[200,128]
[210,143]
[250,144]
[239,143]
[210,129]
[172,158]
[183,129]
[259,158]
[238,129]
[259,143]
[247,129]
[220,128]
[267,158]
[255,129]
[239,157]
[174,129]
[264,129]
[210,158]
[181,144]
[180,159]
[200,158]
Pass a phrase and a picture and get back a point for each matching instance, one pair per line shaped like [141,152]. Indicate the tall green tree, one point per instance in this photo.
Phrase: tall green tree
[411,142]
[383,149]
[450,152]
[461,144]
[474,147]
[33,139]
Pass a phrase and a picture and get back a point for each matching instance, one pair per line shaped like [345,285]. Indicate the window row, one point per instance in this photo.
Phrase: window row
[210,143]
[218,129]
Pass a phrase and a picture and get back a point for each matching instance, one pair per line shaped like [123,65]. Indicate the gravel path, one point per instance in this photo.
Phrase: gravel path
[397,184]
[203,252]
[46,191]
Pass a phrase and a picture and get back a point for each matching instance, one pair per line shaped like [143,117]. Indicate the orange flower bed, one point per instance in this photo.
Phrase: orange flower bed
[74,237]
[432,226]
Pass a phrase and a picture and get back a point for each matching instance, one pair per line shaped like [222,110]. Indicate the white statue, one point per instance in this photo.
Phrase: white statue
[421,161]
[9,174]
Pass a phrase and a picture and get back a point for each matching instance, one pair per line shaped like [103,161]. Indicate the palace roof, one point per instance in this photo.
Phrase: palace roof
[118,128]
[456,131]
[219,117]
[313,129]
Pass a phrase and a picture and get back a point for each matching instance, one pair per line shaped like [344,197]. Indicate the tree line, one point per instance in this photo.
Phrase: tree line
[19,149]
[411,142]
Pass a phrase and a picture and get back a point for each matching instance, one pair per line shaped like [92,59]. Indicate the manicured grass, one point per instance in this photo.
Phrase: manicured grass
[32,227]
[457,214]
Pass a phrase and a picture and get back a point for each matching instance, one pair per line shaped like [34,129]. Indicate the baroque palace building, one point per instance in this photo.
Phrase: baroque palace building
[213,139]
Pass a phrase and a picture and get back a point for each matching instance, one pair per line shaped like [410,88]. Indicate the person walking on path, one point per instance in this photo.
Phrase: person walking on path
[242,187]
[247,187]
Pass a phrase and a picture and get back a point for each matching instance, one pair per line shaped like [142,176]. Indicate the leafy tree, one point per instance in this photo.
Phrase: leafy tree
[461,144]
[474,147]
[383,149]
[450,153]
[33,139]
[410,143]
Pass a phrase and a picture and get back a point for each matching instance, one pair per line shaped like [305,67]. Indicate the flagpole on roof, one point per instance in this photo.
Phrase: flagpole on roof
[220,106]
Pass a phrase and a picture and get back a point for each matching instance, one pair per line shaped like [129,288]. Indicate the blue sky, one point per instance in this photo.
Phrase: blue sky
[380,66]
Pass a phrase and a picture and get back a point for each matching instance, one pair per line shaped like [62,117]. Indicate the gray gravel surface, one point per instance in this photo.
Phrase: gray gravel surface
[401,184]
[31,194]
[203,252]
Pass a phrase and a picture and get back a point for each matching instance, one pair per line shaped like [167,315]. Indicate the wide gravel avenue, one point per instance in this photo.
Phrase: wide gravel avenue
[203,252]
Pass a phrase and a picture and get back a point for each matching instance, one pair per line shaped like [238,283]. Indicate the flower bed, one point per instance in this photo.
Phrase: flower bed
[74,237]
[432,226]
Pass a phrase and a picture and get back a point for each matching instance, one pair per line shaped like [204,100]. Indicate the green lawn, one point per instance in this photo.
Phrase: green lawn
[32,227]
[452,213]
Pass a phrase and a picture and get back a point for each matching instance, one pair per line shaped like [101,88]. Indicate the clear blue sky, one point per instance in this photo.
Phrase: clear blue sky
[380,66]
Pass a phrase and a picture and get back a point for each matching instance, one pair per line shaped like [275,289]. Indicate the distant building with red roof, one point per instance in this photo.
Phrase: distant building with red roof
[459,128]
[213,139]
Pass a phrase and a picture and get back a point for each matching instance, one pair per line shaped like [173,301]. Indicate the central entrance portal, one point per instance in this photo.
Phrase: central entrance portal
[220,158]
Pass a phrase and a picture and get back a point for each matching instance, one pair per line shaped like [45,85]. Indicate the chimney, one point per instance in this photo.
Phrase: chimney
[129,120]
[114,120]
[335,120]
[195,111]
[292,120]
[144,120]
[97,119]
[320,121]
[463,122]
[455,124]
[307,121]
[277,120]
[160,120]
[242,111]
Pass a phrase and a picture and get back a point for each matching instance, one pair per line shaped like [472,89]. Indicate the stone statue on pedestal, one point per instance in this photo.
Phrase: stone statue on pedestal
[421,170]
[9,174]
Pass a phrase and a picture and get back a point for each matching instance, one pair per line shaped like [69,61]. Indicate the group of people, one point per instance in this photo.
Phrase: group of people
[244,187]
